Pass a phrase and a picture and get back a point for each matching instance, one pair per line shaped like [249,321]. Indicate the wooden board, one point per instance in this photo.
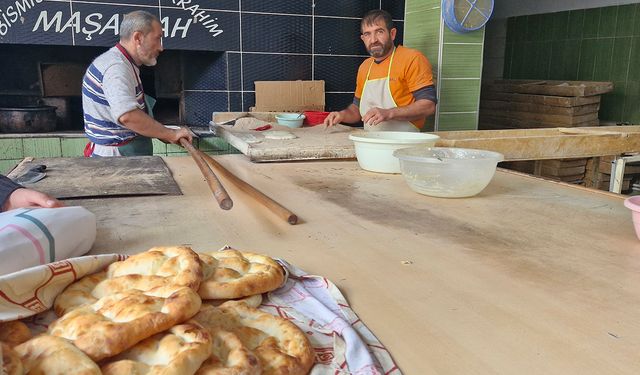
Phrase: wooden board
[521,144]
[530,276]
[547,100]
[506,106]
[100,177]
[565,163]
[562,172]
[555,88]
[488,122]
[557,143]
[539,117]
[311,143]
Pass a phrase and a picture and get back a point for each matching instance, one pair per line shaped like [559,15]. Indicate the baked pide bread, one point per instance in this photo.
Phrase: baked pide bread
[251,301]
[179,263]
[11,363]
[179,351]
[229,357]
[52,355]
[116,322]
[14,332]
[235,274]
[157,267]
[281,347]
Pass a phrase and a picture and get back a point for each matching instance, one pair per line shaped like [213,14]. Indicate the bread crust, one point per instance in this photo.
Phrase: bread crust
[179,351]
[179,263]
[157,267]
[11,363]
[52,355]
[251,301]
[117,322]
[229,357]
[14,332]
[281,347]
[239,274]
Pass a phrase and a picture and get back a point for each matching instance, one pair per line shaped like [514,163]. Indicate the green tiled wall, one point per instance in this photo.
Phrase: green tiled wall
[456,60]
[601,44]
[13,150]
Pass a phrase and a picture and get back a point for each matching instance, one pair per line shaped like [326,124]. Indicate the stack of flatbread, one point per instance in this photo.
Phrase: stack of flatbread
[168,310]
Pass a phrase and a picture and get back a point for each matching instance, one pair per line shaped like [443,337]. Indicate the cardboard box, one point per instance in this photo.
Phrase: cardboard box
[289,96]
[61,79]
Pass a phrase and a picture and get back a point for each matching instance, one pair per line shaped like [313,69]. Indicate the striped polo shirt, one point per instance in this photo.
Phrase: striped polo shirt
[111,87]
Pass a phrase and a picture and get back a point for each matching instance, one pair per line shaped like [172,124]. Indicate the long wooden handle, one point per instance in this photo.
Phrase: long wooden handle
[256,194]
[212,180]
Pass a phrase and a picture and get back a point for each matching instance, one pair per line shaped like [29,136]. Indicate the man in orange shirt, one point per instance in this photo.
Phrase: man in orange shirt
[394,90]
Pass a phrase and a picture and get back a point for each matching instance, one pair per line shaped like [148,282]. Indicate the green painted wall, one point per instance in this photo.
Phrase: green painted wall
[456,60]
[601,44]
[13,150]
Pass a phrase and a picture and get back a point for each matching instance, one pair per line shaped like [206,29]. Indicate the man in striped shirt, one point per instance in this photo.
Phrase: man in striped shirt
[116,112]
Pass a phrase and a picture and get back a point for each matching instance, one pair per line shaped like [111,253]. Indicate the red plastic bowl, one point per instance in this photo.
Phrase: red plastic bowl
[315,117]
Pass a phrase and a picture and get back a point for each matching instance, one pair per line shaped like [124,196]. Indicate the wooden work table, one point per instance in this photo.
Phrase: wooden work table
[529,276]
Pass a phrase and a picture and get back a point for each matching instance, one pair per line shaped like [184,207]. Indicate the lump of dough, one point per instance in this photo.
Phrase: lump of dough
[279,134]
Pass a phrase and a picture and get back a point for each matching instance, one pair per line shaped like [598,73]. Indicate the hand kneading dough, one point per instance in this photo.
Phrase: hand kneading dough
[14,333]
[239,274]
[117,322]
[279,134]
[281,347]
[159,266]
[179,351]
[52,355]
[10,362]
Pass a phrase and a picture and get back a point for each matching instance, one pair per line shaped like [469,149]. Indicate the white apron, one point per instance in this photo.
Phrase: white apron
[377,93]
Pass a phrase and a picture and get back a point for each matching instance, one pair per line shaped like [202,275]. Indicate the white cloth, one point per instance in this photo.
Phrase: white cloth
[343,344]
[105,151]
[34,236]
[32,291]
[376,93]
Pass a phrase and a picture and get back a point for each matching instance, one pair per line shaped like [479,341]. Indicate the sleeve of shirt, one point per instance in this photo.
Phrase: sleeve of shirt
[7,187]
[120,89]
[418,73]
[428,93]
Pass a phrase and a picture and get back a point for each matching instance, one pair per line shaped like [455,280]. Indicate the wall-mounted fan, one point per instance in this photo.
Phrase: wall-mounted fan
[462,16]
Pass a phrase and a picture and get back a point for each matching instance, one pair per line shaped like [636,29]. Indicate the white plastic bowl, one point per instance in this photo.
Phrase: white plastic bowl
[374,150]
[447,172]
[292,120]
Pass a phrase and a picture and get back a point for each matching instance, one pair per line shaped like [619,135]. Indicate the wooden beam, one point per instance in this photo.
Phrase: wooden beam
[538,144]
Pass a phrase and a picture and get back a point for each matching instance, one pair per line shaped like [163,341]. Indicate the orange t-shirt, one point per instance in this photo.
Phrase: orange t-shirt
[410,71]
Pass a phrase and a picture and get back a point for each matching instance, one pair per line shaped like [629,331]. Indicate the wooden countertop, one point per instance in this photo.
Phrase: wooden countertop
[527,277]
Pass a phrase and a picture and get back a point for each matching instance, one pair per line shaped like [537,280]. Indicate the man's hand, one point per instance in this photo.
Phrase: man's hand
[181,133]
[333,118]
[141,123]
[374,116]
[30,198]
[349,115]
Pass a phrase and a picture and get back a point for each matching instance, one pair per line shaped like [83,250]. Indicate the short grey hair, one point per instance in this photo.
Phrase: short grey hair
[138,20]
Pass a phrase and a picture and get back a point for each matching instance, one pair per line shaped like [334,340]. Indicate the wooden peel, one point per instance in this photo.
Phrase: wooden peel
[256,194]
[212,180]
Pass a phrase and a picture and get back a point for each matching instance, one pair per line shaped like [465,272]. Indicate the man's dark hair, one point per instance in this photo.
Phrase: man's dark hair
[372,16]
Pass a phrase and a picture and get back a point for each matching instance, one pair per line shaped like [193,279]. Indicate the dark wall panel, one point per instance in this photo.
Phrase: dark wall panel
[239,42]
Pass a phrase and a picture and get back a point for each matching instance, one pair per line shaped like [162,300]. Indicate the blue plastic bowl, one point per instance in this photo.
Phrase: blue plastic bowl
[292,120]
